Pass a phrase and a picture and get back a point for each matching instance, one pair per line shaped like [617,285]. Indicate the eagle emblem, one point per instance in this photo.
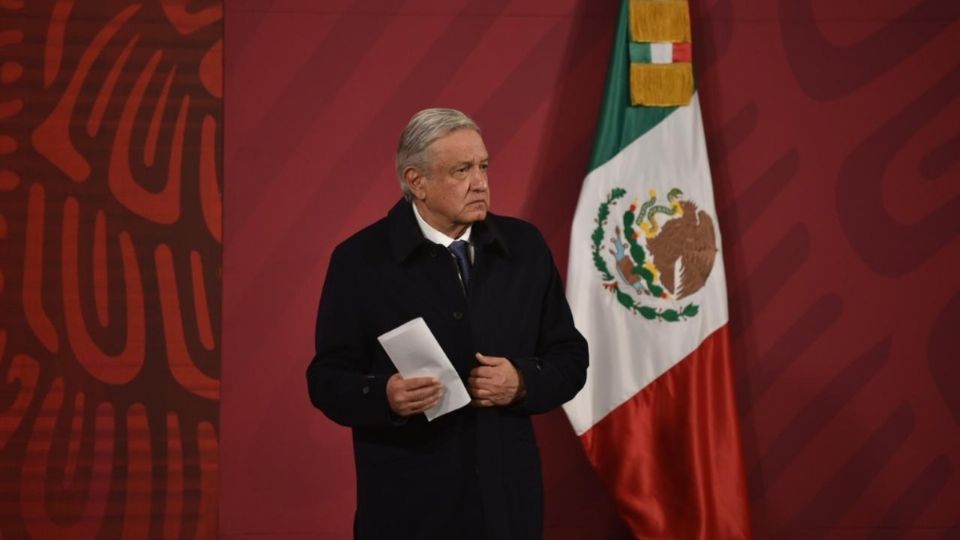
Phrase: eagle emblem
[662,253]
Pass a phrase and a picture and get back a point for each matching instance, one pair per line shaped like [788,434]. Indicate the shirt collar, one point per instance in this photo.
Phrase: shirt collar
[436,236]
[405,235]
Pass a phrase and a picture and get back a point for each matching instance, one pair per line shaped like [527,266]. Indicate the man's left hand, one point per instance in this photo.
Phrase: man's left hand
[495,382]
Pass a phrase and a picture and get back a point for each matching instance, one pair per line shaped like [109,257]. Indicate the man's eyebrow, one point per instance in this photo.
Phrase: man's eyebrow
[468,162]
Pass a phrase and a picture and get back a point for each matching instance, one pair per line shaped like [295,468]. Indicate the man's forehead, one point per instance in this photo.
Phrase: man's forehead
[462,145]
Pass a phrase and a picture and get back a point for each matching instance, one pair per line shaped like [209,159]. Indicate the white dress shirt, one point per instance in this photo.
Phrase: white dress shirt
[438,237]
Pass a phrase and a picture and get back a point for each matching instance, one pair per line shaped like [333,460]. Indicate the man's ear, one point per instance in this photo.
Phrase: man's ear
[415,182]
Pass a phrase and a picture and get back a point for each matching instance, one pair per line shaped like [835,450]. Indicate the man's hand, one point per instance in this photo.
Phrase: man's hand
[495,382]
[412,396]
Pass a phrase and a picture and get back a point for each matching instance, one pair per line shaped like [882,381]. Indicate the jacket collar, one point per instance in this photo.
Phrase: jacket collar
[406,237]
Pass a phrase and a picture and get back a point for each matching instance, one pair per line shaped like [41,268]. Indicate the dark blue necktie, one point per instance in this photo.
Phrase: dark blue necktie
[460,251]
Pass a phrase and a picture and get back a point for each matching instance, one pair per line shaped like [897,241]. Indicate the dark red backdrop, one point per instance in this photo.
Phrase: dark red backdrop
[832,128]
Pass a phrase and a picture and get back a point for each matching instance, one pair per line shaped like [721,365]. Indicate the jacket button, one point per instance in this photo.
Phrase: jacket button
[365,390]
[457,315]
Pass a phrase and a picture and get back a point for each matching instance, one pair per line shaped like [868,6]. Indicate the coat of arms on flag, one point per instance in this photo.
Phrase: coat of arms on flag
[662,253]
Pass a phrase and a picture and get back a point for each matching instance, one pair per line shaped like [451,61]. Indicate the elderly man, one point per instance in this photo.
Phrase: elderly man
[488,289]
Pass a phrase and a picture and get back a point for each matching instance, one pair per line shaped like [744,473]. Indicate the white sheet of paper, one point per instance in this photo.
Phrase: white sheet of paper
[415,351]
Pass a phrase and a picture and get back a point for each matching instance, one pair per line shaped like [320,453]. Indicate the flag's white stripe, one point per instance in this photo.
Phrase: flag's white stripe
[661,53]
[627,352]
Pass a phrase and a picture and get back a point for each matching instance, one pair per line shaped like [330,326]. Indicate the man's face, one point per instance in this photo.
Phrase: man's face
[453,192]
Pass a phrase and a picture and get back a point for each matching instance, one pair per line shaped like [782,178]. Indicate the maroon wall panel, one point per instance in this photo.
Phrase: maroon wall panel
[833,140]
[110,258]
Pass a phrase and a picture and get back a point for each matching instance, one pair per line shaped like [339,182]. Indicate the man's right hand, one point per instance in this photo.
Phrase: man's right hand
[412,396]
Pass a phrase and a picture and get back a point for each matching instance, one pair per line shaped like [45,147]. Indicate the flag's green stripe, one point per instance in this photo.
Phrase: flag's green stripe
[620,124]
[639,53]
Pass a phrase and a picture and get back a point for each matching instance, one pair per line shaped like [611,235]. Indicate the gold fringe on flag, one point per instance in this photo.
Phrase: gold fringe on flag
[661,85]
[660,20]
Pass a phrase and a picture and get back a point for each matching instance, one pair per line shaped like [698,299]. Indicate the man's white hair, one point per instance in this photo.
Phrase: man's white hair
[425,127]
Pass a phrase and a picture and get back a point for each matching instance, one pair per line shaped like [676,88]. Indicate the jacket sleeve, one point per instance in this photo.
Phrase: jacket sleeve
[559,369]
[338,378]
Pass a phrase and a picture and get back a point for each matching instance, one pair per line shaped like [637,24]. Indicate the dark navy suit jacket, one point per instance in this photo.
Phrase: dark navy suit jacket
[474,472]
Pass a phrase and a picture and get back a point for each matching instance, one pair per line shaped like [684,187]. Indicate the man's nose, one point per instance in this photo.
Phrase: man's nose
[479,180]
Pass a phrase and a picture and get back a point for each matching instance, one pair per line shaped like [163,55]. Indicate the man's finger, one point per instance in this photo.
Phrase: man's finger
[483,372]
[419,382]
[483,384]
[422,404]
[489,360]
[482,377]
[482,403]
[419,404]
[426,392]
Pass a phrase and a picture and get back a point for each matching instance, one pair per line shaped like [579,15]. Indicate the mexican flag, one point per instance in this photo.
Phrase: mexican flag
[646,284]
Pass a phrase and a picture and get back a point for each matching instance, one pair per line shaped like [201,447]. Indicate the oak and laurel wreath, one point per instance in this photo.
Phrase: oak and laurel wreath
[647,312]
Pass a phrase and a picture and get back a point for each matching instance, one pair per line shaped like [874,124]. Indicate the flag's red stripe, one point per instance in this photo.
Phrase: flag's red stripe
[682,52]
[671,455]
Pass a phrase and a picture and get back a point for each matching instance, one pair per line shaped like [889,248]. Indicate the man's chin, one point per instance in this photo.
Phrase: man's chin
[476,213]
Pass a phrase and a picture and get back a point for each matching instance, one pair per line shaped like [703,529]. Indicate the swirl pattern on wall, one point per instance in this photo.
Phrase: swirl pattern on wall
[110,268]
